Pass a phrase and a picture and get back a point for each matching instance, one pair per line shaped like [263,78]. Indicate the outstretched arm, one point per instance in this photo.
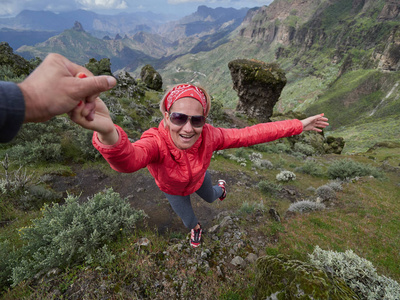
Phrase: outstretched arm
[315,123]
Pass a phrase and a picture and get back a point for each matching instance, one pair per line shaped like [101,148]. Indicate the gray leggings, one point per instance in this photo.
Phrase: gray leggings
[183,206]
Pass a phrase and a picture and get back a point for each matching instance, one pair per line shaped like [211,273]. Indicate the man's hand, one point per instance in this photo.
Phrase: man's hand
[52,89]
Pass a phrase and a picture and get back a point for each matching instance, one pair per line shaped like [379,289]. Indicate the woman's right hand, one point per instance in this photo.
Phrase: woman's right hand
[102,122]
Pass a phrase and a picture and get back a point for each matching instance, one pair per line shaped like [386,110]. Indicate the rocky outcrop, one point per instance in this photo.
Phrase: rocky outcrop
[278,277]
[389,58]
[127,87]
[334,145]
[78,27]
[151,78]
[17,64]
[258,85]
[390,11]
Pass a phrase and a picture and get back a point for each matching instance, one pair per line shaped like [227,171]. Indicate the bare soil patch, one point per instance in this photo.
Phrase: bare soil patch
[142,193]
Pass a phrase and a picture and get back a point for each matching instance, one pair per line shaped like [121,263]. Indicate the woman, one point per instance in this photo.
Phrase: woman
[179,151]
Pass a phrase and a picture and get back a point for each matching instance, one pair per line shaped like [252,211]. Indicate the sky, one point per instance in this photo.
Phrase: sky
[180,8]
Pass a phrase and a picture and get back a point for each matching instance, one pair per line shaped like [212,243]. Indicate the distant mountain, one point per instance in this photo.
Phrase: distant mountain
[204,30]
[99,25]
[79,46]
[205,21]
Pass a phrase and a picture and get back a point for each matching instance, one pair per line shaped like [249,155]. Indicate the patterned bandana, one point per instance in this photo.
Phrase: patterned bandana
[185,90]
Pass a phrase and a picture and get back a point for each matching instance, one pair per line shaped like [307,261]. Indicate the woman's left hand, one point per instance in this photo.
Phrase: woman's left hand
[315,123]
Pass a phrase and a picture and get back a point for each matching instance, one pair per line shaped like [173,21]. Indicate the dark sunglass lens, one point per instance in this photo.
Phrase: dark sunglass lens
[178,119]
[198,121]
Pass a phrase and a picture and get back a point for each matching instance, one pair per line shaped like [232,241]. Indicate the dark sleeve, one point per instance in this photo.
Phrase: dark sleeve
[12,110]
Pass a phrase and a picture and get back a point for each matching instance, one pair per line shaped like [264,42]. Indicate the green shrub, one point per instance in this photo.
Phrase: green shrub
[83,139]
[304,149]
[37,142]
[311,168]
[248,208]
[8,259]
[286,176]
[269,187]
[242,153]
[346,169]
[13,181]
[73,233]
[326,193]
[35,196]
[216,114]
[275,148]
[305,206]
[335,185]
[357,272]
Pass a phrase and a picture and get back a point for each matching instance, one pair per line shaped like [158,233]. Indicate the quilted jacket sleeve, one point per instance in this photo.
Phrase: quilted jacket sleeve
[127,157]
[12,110]
[261,133]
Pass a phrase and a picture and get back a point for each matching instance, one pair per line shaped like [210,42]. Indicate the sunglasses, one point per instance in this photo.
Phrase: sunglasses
[180,119]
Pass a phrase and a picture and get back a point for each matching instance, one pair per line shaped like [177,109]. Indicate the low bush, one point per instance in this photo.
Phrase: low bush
[269,187]
[272,148]
[286,176]
[304,149]
[248,208]
[72,233]
[336,185]
[358,273]
[326,193]
[311,168]
[346,169]
[305,206]
[35,196]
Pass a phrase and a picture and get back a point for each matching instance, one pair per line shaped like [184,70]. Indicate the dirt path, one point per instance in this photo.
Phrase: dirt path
[141,191]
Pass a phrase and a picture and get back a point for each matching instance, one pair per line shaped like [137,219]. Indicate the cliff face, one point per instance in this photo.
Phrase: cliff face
[278,21]
[342,25]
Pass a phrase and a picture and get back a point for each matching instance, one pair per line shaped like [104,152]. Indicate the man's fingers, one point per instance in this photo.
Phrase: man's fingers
[95,85]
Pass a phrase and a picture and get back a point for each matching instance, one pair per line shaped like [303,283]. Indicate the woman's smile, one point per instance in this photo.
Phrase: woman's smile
[186,135]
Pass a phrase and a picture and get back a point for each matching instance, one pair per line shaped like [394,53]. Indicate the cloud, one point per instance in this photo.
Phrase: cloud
[102,4]
[12,7]
[222,2]
[184,1]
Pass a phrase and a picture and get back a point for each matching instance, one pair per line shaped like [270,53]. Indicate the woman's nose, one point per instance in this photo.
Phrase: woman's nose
[188,127]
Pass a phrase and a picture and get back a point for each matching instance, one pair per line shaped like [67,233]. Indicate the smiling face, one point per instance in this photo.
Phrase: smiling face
[184,136]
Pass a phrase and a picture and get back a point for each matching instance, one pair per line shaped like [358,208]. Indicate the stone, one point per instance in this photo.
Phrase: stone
[151,78]
[251,258]
[143,242]
[275,215]
[214,229]
[226,222]
[258,85]
[238,262]
[278,277]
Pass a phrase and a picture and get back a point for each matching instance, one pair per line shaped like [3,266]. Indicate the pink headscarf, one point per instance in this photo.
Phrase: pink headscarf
[185,90]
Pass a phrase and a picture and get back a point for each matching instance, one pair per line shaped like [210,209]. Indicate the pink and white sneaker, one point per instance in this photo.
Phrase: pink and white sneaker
[195,237]
[221,184]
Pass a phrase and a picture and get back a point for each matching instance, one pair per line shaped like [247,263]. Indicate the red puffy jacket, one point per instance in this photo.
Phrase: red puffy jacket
[181,172]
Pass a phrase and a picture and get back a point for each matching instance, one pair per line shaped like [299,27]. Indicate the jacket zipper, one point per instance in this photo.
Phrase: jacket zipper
[189,168]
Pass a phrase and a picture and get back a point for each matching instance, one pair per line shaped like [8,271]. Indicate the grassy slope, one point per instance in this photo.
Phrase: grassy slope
[365,219]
